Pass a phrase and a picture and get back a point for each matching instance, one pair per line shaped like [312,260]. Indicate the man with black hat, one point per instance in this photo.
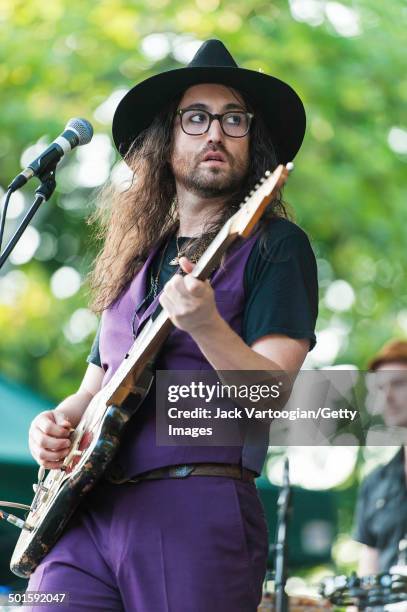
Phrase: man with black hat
[181,528]
[381,514]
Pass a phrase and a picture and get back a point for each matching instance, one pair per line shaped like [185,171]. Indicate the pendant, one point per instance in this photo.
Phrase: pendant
[174,261]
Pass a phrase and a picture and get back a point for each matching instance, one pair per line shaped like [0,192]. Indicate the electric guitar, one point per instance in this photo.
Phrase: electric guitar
[96,439]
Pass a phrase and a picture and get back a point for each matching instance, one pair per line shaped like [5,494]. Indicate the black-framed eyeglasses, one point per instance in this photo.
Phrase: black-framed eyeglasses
[196,121]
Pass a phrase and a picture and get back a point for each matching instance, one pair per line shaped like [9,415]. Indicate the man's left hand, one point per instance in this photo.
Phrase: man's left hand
[189,302]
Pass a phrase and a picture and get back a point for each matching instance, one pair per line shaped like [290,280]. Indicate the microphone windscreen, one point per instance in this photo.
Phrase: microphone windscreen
[83,128]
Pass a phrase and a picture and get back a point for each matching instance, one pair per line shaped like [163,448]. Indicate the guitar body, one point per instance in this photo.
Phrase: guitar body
[51,509]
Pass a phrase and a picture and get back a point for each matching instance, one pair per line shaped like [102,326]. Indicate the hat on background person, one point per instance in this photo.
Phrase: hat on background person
[394,351]
[282,109]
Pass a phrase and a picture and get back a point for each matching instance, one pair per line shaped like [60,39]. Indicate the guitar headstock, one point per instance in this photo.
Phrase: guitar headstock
[257,201]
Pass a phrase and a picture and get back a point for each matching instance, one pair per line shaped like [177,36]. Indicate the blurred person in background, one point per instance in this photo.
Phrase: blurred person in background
[381,513]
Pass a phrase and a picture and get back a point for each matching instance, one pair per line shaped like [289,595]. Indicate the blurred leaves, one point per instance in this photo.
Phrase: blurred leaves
[64,59]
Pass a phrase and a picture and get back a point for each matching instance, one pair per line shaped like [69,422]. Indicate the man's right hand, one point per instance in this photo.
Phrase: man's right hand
[49,433]
[48,441]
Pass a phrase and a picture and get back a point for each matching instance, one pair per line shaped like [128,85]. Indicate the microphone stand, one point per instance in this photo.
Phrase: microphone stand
[284,509]
[43,193]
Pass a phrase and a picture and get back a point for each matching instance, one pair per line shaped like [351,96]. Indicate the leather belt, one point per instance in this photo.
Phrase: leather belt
[185,470]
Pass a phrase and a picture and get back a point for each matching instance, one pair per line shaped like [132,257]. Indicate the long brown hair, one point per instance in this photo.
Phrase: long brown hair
[129,223]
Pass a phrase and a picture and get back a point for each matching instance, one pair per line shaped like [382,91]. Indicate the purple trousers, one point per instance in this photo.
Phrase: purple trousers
[197,544]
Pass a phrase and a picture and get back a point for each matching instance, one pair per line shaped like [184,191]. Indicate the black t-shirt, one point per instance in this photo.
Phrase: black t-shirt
[381,512]
[280,284]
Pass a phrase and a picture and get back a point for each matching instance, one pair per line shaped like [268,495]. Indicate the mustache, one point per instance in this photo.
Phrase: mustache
[213,149]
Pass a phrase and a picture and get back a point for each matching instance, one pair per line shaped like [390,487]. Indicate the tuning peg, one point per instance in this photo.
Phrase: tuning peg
[257,185]
[290,166]
[262,179]
[251,193]
[246,198]
[267,173]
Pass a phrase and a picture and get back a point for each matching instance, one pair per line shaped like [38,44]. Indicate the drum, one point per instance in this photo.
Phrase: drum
[368,592]
[295,604]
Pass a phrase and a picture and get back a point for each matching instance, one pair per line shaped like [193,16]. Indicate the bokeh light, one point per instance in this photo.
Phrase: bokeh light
[65,282]
[314,468]
[94,161]
[339,296]
[26,246]
[81,324]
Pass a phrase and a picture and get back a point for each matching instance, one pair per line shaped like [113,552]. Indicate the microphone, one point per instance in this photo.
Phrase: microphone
[77,132]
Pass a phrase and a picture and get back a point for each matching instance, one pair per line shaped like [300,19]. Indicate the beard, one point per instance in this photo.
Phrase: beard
[209,182]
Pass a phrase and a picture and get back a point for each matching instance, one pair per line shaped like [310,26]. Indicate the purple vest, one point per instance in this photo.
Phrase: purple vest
[138,451]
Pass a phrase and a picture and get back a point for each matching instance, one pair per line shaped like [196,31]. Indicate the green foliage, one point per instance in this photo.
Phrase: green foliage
[64,59]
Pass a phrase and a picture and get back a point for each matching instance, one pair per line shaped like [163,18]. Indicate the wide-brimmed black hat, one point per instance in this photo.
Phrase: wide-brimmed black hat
[280,106]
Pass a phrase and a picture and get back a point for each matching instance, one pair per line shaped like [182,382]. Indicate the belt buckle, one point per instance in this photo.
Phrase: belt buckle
[181,471]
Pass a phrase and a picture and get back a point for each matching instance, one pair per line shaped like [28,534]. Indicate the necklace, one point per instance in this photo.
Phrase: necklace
[153,287]
[193,256]
[175,260]
[154,280]
[180,252]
